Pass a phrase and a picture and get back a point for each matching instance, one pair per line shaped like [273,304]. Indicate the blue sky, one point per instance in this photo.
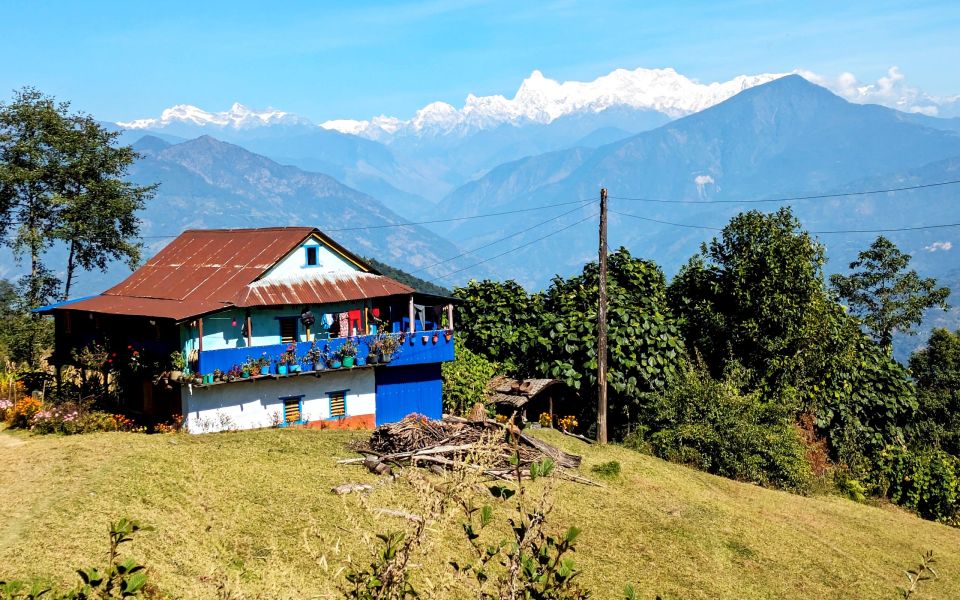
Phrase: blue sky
[122,60]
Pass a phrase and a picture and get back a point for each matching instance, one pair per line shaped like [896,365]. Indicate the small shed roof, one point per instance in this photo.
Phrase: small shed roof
[517,392]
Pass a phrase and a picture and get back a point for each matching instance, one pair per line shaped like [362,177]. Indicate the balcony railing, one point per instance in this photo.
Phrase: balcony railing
[418,348]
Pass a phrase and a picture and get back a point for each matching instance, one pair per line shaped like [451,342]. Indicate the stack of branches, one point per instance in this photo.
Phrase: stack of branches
[481,444]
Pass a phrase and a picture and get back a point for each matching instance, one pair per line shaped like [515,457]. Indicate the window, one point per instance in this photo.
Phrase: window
[312,260]
[288,330]
[292,406]
[338,403]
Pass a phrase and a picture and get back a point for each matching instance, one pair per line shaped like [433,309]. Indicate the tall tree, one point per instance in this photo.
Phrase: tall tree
[885,295]
[754,294]
[62,180]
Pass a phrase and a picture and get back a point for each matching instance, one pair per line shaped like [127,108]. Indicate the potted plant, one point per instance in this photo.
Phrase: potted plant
[264,363]
[281,368]
[436,338]
[447,334]
[373,351]
[347,353]
[217,375]
[177,364]
[388,346]
[314,357]
[288,360]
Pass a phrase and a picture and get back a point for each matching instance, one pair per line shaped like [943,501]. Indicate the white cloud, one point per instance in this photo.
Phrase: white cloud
[891,90]
[939,246]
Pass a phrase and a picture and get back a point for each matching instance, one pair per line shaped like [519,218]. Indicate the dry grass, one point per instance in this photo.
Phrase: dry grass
[249,515]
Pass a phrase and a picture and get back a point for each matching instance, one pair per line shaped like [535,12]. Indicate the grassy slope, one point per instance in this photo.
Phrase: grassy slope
[252,511]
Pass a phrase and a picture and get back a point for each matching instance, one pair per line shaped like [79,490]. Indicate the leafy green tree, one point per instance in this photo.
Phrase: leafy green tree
[936,371]
[755,295]
[62,180]
[643,340]
[465,381]
[886,296]
[500,321]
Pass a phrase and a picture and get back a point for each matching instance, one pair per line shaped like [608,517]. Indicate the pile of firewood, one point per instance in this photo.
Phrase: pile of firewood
[480,444]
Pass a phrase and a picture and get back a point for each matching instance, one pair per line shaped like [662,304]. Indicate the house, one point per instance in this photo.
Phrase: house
[530,398]
[231,299]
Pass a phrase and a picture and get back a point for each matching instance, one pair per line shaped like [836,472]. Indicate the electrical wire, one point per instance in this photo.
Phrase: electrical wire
[497,241]
[530,243]
[826,232]
[791,198]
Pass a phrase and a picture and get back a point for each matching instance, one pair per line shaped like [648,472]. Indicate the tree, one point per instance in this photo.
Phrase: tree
[755,295]
[62,180]
[643,340]
[886,296]
[936,372]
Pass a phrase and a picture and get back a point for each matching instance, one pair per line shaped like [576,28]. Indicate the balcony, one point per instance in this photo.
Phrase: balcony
[418,348]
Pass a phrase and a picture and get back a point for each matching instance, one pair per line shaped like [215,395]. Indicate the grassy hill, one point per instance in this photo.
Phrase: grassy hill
[250,515]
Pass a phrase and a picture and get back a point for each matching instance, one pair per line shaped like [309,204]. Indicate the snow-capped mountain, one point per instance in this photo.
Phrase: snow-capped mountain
[542,100]
[237,117]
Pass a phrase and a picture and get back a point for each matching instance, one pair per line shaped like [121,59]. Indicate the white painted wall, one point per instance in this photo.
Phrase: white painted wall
[294,265]
[251,404]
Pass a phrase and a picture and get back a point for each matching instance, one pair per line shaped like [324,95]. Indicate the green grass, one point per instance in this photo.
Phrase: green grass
[251,513]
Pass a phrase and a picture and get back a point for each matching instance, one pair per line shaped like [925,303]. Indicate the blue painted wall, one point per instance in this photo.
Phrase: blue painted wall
[410,389]
[414,351]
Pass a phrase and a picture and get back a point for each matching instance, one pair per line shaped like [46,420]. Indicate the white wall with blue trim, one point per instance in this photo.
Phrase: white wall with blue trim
[255,404]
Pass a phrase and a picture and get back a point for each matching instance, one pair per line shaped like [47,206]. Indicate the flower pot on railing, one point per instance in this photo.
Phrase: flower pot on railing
[176,375]
[335,364]
[348,361]
[265,370]
[281,369]
[372,359]
[448,335]
[360,361]
[294,368]
[385,358]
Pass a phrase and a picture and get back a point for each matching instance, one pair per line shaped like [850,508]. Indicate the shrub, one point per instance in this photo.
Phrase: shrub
[715,427]
[927,482]
[607,469]
[22,412]
[465,381]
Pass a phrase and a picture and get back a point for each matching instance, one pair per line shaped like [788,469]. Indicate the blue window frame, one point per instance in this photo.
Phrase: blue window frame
[312,256]
[292,411]
[338,403]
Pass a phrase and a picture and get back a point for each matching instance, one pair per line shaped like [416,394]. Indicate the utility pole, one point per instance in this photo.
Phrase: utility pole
[602,326]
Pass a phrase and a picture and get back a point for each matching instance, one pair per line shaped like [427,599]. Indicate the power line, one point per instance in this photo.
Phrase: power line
[792,198]
[503,239]
[430,222]
[623,214]
[831,231]
[555,232]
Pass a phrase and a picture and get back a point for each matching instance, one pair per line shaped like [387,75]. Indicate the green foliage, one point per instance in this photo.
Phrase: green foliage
[21,336]
[715,427]
[62,180]
[755,295]
[500,322]
[119,579]
[531,564]
[884,294]
[864,401]
[465,381]
[643,343]
[926,481]
[386,577]
[936,371]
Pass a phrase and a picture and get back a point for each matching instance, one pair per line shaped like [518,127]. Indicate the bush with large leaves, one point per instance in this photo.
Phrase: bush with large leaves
[644,346]
[936,371]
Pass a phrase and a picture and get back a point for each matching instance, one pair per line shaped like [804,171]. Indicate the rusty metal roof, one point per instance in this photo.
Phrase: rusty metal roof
[205,270]
[320,289]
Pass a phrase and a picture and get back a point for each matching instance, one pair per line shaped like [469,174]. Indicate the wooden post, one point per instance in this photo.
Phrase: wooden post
[250,330]
[413,324]
[450,316]
[602,326]
[200,335]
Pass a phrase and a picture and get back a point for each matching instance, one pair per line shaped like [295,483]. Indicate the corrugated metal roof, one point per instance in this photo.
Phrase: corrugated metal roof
[320,289]
[210,265]
[205,270]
